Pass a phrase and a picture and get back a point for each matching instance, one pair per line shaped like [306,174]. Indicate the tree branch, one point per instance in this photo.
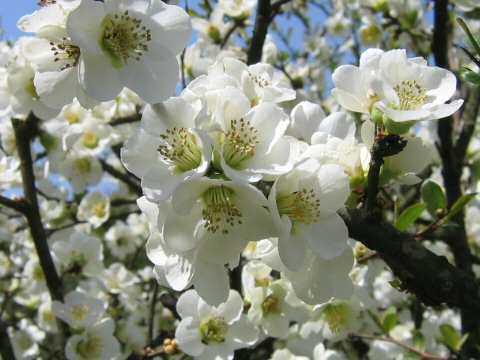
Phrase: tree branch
[262,21]
[24,132]
[6,349]
[430,277]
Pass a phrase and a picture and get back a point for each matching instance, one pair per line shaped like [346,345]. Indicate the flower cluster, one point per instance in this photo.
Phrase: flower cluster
[219,170]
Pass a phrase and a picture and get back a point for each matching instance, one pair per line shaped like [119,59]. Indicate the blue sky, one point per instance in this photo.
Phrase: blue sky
[10,12]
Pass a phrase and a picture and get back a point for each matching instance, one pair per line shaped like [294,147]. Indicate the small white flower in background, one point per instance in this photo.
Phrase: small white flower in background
[94,343]
[125,44]
[81,169]
[78,310]
[25,339]
[237,8]
[303,204]
[285,354]
[117,279]
[81,253]
[333,320]
[320,353]
[94,208]
[269,309]
[122,240]
[207,332]
[9,168]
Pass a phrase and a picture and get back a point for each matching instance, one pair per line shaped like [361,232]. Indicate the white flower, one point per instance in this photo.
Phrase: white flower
[268,308]
[129,44]
[94,208]
[303,204]
[81,253]
[250,142]
[78,310]
[82,170]
[168,150]
[95,343]
[403,89]
[121,239]
[25,340]
[9,168]
[410,90]
[208,332]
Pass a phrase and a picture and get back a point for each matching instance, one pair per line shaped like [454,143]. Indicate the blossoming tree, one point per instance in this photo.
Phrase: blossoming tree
[271,179]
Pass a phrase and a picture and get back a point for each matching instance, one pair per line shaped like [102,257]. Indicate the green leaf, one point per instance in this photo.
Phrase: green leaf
[389,319]
[434,197]
[419,341]
[470,75]
[461,202]
[409,215]
[451,337]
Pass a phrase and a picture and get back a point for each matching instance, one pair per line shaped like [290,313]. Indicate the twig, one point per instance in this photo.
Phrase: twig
[133,183]
[15,204]
[151,315]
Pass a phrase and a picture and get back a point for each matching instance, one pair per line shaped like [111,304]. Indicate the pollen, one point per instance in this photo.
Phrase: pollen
[124,38]
[239,142]
[79,312]
[411,95]
[213,330]
[66,53]
[180,148]
[220,212]
[300,206]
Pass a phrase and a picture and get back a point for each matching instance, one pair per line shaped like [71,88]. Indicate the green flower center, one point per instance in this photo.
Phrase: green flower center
[213,330]
[270,306]
[68,54]
[239,143]
[336,316]
[90,140]
[411,95]
[90,348]
[300,206]
[124,37]
[99,210]
[181,149]
[82,165]
[79,312]
[220,212]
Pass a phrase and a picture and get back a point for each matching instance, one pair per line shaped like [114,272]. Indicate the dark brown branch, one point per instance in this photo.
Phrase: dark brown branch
[430,277]
[6,349]
[126,178]
[452,165]
[24,132]
[469,118]
[126,120]
[15,204]
[262,21]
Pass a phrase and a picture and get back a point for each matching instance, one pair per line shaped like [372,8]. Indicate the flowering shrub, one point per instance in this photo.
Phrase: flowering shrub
[213,182]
